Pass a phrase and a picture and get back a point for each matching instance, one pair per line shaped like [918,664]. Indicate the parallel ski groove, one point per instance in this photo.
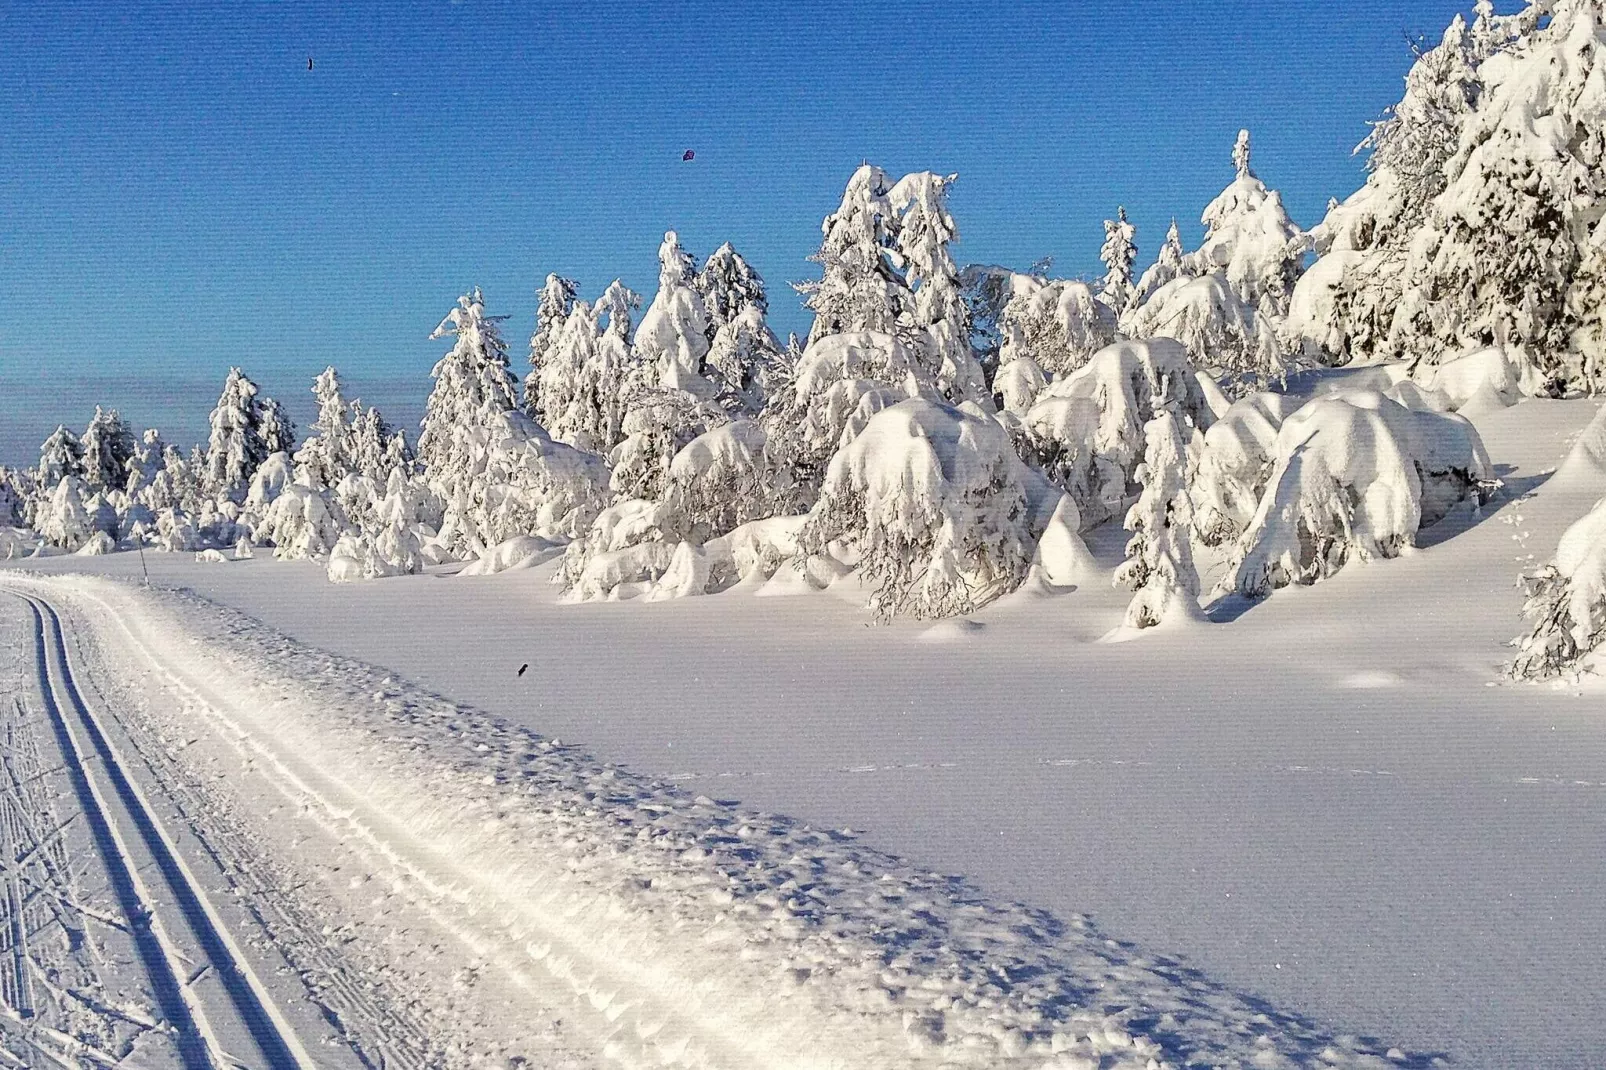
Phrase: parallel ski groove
[277,1045]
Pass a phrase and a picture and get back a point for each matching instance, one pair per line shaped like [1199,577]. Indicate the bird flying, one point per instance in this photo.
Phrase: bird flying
[688,155]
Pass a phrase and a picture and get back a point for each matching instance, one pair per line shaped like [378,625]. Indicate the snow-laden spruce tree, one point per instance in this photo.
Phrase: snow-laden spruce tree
[107,445]
[1159,557]
[326,455]
[744,359]
[1085,431]
[589,371]
[1227,300]
[937,310]
[472,386]
[1168,265]
[1357,475]
[1056,323]
[60,455]
[863,288]
[1498,255]
[672,338]
[144,463]
[235,445]
[1118,254]
[73,513]
[934,505]
[1566,604]
[558,295]
[660,422]
[278,430]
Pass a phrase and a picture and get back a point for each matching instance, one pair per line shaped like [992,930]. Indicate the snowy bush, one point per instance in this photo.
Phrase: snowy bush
[175,532]
[1566,604]
[1086,430]
[932,505]
[1236,461]
[1480,381]
[1356,476]
[659,423]
[72,515]
[1056,324]
[1222,333]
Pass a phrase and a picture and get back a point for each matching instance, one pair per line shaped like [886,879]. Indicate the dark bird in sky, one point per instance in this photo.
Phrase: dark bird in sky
[526,665]
[688,155]
[309,63]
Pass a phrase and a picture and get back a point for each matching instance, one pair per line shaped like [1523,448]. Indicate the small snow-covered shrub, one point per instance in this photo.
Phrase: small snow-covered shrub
[1085,430]
[97,544]
[1356,476]
[175,532]
[1237,459]
[1057,324]
[1017,385]
[210,557]
[933,503]
[1159,564]
[1566,604]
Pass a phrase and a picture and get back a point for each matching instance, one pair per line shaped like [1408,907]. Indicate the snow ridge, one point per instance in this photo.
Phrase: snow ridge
[701,933]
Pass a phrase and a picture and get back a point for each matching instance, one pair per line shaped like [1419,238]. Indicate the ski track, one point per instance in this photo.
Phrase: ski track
[668,929]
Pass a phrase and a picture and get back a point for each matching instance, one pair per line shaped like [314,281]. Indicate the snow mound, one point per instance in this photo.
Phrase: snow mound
[1483,380]
[951,631]
[690,931]
[1585,465]
[1356,476]
[211,557]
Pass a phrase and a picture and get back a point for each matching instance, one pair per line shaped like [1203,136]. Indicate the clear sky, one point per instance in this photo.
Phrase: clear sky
[179,193]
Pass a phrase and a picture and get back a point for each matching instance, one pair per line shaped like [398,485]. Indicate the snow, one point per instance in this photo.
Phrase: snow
[1444,908]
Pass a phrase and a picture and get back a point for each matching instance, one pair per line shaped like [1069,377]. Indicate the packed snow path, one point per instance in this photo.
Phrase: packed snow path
[660,928]
[202,983]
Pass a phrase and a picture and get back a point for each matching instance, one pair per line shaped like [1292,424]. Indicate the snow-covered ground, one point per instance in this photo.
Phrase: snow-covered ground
[1330,802]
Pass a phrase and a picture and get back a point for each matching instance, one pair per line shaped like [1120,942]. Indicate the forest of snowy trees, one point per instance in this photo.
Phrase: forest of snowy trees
[947,434]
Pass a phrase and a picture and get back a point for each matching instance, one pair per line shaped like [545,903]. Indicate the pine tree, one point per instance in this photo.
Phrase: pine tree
[235,447]
[556,303]
[1118,255]
[60,455]
[743,353]
[862,288]
[673,337]
[925,230]
[1159,564]
[325,457]
[472,384]
[1168,265]
[591,367]
[278,430]
[107,446]
[146,462]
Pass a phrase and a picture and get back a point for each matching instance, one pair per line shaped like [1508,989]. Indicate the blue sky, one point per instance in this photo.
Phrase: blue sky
[178,192]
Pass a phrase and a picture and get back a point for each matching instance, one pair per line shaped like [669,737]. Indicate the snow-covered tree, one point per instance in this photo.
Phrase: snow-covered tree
[673,336]
[1086,430]
[1167,265]
[658,424]
[1356,476]
[303,522]
[937,310]
[278,430]
[1056,323]
[1159,563]
[937,507]
[145,462]
[1498,253]
[1118,254]
[557,299]
[1222,333]
[1566,604]
[589,371]
[472,386]
[61,455]
[1250,239]
[235,446]
[862,288]
[107,446]
[325,456]
[744,356]
[73,513]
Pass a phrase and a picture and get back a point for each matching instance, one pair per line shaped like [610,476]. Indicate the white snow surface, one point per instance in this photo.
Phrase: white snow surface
[1329,801]
[701,933]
